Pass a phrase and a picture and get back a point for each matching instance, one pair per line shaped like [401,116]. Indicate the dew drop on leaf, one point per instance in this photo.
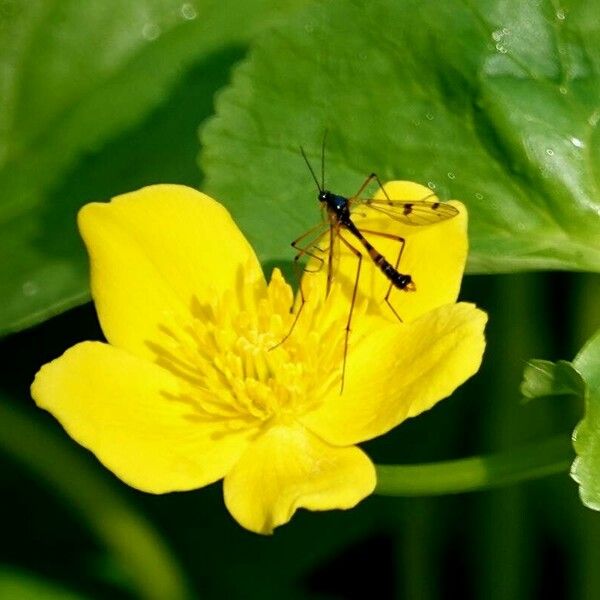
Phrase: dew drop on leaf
[151,31]
[188,11]
[577,142]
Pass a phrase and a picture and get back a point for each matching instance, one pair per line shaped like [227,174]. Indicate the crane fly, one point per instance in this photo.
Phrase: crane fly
[339,224]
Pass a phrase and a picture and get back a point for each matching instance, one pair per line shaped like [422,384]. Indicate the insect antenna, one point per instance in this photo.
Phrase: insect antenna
[323,160]
[310,168]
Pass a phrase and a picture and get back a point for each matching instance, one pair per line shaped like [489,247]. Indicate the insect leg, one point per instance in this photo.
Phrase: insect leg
[376,177]
[306,249]
[297,268]
[359,256]
[402,243]
[366,182]
[333,231]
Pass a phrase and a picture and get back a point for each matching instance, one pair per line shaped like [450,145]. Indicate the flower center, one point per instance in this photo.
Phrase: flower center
[235,367]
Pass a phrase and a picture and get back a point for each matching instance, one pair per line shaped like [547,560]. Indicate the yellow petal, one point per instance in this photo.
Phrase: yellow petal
[288,468]
[433,255]
[155,254]
[396,372]
[131,414]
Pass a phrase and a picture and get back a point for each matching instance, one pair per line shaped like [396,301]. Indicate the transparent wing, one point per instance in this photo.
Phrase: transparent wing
[410,212]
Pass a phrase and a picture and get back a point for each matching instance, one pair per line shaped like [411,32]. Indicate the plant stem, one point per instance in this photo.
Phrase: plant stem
[135,546]
[532,461]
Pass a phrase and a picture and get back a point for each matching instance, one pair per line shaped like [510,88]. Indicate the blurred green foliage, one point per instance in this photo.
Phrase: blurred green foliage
[494,102]
[19,585]
[73,77]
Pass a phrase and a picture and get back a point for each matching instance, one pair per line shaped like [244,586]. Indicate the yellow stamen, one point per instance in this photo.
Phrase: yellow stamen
[235,352]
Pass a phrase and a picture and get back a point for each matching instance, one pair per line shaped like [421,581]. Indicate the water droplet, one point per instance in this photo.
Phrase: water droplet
[500,34]
[479,196]
[501,48]
[309,28]
[577,142]
[549,152]
[563,89]
[363,56]
[417,122]
[560,14]
[151,31]
[431,185]
[430,116]
[451,175]
[593,118]
[30,288]
[188,11]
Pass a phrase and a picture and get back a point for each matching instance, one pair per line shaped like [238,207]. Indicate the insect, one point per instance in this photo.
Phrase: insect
[339,213]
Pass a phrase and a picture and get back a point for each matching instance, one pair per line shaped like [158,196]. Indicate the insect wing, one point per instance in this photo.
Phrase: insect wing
[412,212]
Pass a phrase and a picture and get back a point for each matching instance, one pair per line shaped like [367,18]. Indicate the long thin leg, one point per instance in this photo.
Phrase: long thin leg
[376,177]
[302,250]
[359,256]
[318,228]
[333,231]
[367,181]
[362,188]
[297,268]
[402,242]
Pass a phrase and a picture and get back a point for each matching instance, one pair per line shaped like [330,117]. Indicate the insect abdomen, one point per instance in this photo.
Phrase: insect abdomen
[397,279]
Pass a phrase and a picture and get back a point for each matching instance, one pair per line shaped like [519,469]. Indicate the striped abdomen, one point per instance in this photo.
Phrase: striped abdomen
[396,278]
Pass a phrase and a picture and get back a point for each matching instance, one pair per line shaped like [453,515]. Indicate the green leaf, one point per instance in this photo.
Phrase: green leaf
[586,438]
[491,102]
[581,378]
[74,76]
[19,585]
[545,378]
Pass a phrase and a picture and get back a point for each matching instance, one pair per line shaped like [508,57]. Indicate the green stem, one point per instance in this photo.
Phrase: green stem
[130,539]
[533,461]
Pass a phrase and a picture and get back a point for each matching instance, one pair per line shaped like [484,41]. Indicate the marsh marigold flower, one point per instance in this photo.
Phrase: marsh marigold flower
[189,389]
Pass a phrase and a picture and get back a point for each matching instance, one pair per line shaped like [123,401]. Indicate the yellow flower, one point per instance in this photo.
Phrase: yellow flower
[189,390]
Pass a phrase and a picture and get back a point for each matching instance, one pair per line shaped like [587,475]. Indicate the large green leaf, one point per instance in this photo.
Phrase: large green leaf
[73,76]
[493,102]
[586,438]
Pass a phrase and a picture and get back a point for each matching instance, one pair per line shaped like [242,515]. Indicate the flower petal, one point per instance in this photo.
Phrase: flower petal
[130,413]
[396,372]
[434,256]
[288,468]
[157,252]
